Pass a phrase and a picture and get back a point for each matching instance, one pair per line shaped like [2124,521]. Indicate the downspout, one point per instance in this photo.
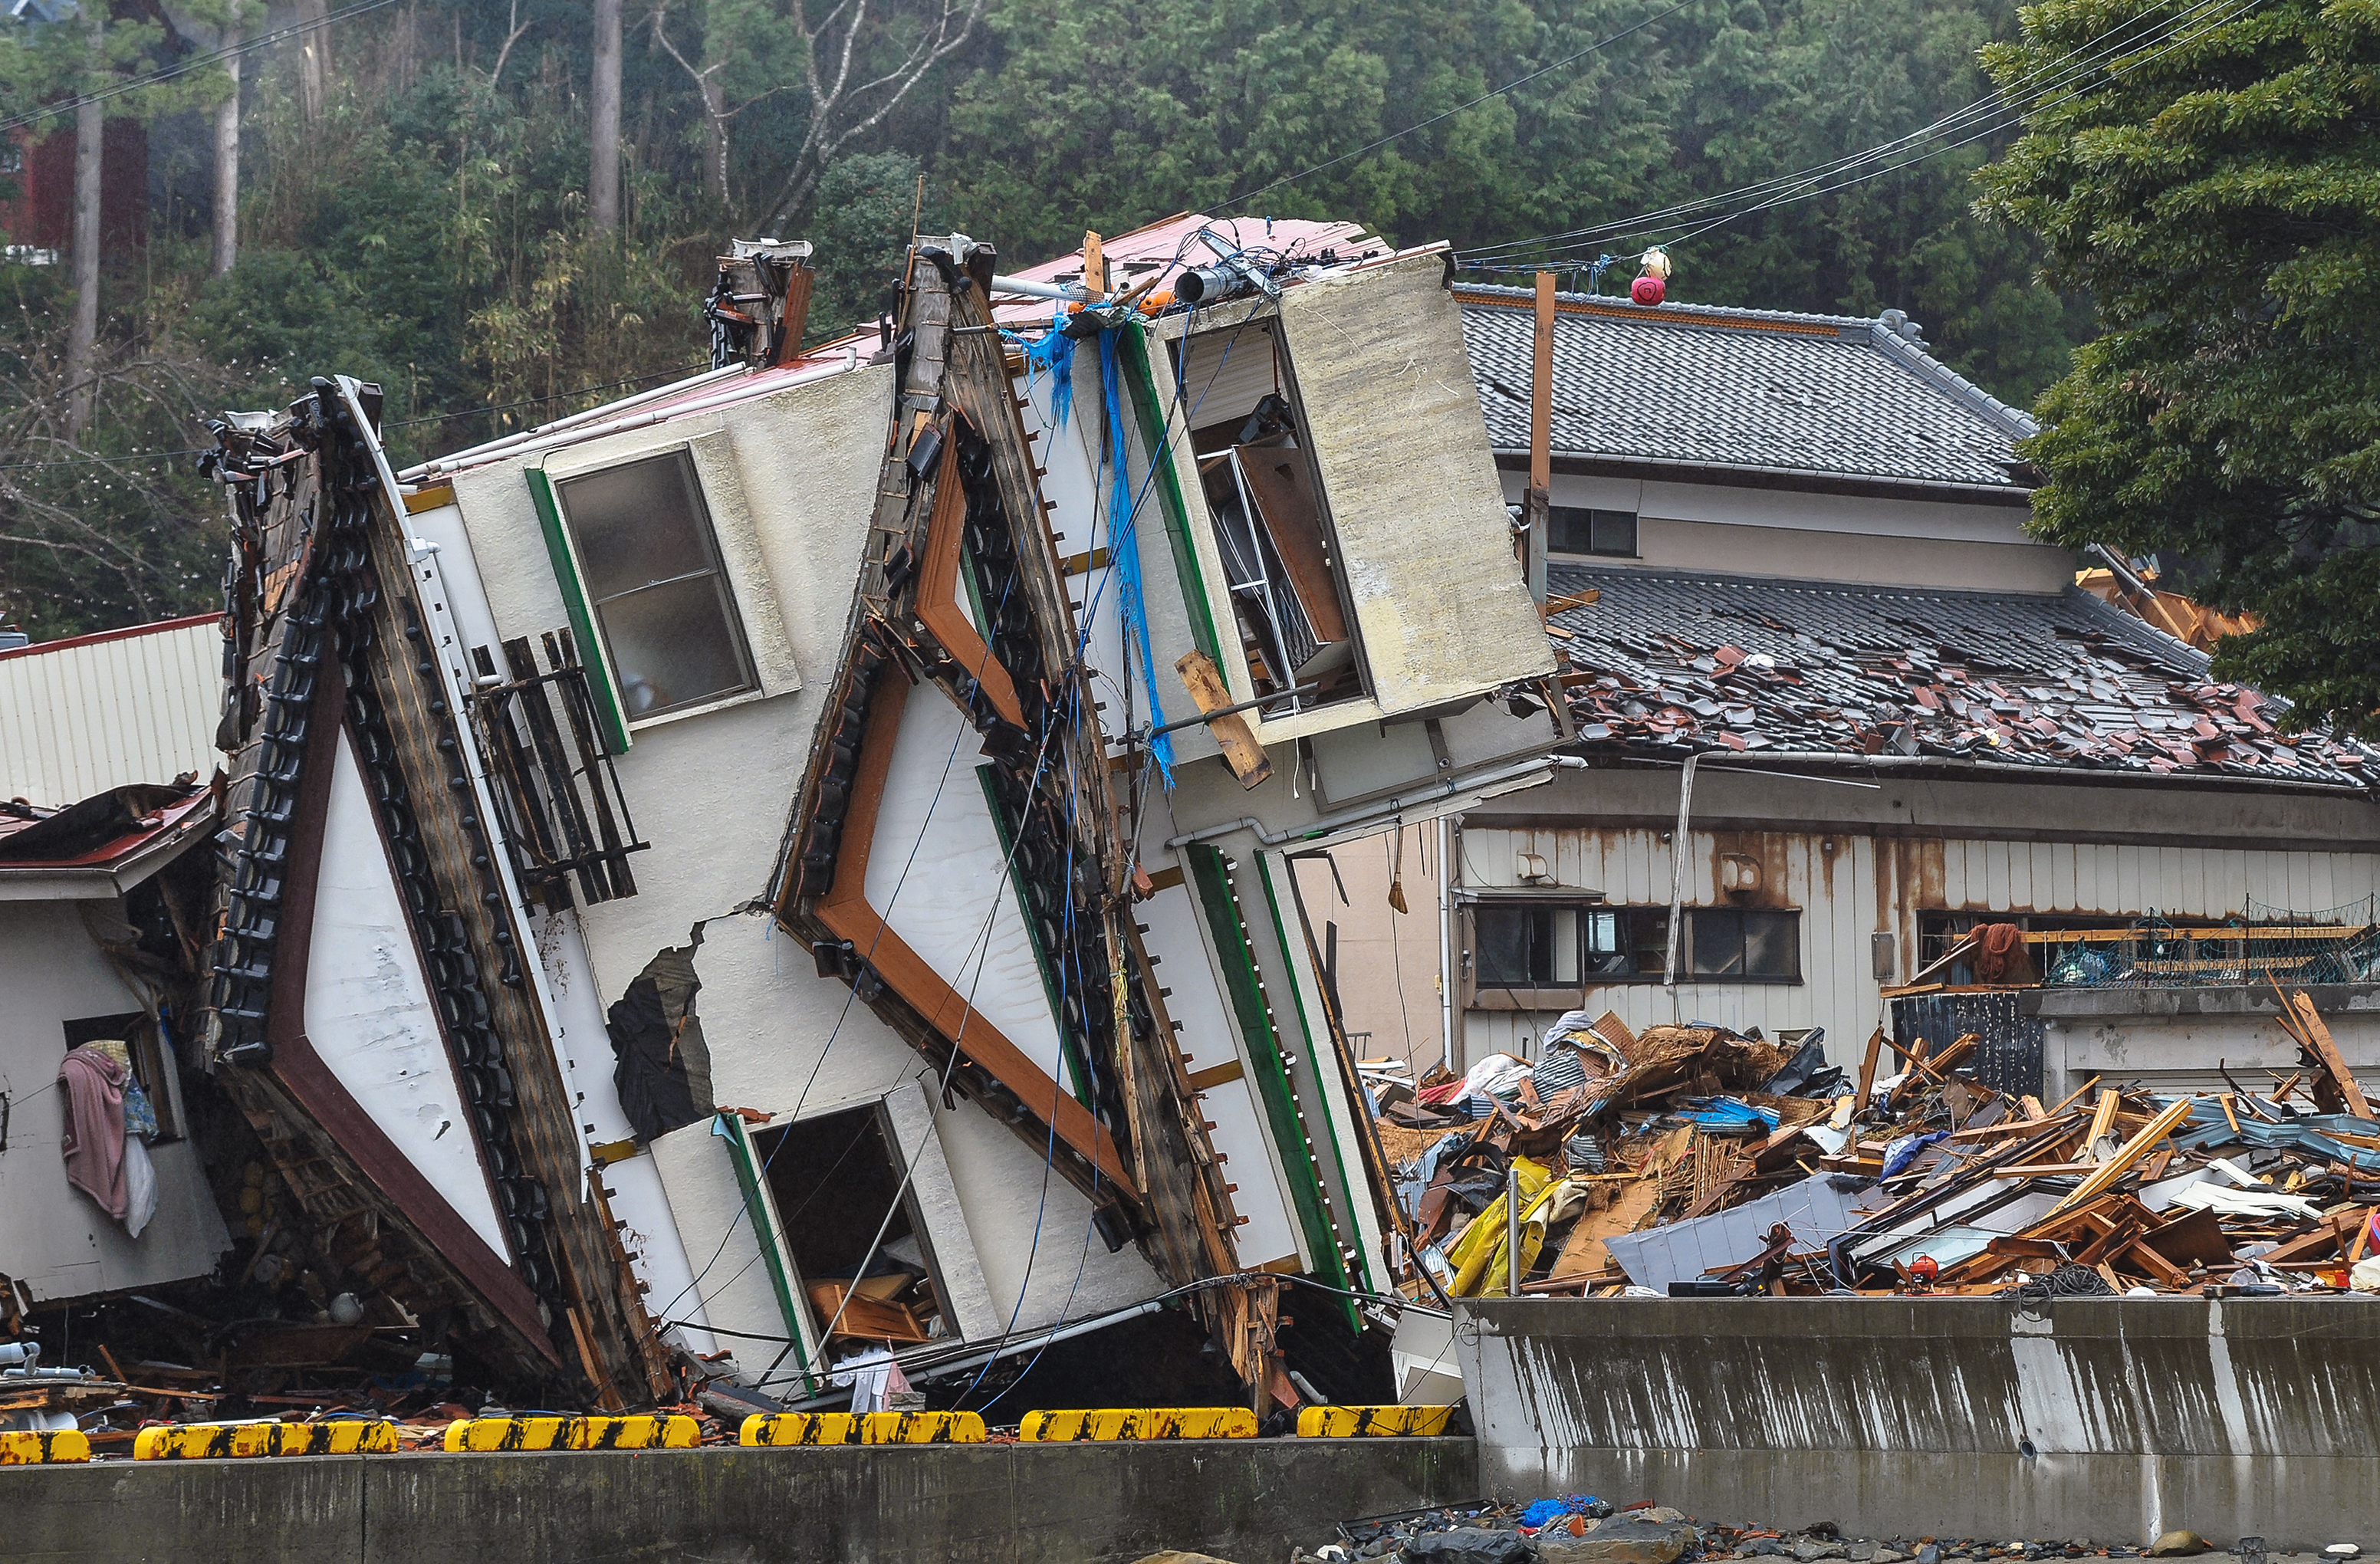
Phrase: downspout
[1446,973]
[1677,882]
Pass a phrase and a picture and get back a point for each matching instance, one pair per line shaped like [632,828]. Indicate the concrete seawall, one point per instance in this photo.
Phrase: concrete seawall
[986,1503]
[2114,1418]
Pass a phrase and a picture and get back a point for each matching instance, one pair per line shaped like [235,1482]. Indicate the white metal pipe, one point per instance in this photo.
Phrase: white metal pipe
[1446,971]
[641,421]
[489,448]
[1384,809]
[1072,293]
[1678,877]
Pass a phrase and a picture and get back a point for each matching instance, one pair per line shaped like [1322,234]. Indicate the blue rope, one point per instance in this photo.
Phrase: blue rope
[1054,356]
[1123,550]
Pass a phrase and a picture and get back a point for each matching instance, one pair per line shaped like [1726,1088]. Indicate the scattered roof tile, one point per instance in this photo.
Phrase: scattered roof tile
[1675,662]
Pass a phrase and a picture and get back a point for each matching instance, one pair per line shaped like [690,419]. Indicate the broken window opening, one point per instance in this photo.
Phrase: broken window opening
[1272,532]
[152,1065]
[648,558]
[834,1177]
[563,812]
[1540,944]
[1576,530]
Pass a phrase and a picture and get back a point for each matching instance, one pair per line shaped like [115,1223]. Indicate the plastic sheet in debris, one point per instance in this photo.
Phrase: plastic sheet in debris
[1816,1210]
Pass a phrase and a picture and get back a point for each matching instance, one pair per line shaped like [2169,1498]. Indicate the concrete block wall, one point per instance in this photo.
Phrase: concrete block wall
[2114,1418]
[1247,1501]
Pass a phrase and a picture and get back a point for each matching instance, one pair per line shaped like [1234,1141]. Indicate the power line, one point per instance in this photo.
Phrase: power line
[1994,113]
[195,62]
[1459,108]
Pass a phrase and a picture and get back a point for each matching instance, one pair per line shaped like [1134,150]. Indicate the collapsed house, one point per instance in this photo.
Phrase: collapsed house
[830,869]
[795,864]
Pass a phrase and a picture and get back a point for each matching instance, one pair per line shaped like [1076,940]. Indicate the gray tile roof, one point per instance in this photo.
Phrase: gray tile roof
[1672,663]
[1693,385]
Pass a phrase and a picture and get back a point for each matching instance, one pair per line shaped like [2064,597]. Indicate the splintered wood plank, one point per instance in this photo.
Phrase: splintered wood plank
[2319,1040]
[1241,751]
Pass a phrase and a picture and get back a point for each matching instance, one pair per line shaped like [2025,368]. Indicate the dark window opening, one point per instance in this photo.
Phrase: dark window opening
[1288,593]
[834,1177]
[654,582]
[1550,944]
[149,1061]
[1576,530]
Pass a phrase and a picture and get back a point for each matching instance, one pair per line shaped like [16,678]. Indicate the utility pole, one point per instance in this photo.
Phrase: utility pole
[603,138]
[226,202]
[313,57]
[82,332]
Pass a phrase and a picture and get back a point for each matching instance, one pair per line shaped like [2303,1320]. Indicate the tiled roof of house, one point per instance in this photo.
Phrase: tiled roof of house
[1692,385]
[1680,663]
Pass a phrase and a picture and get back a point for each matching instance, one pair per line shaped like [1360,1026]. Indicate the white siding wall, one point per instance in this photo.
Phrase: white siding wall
[79,717]
[1868,884]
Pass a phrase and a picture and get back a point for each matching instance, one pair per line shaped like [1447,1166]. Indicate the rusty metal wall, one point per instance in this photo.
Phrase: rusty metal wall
[1849,885]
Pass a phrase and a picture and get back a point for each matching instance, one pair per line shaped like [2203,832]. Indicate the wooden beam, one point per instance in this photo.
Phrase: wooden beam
[2132,1151]
[1867,1068]
[937,592]
[1241,751]
[846,912]
[2325,1048]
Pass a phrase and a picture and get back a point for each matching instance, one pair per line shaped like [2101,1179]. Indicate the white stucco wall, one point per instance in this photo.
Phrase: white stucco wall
[53,1238]
[1743,531]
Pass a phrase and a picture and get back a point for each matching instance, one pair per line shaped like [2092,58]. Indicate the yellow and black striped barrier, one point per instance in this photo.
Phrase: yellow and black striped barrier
[215,1441]
[19,1448]
[1138,1423]
[493,1435]
[1353,1423]
[773,1429]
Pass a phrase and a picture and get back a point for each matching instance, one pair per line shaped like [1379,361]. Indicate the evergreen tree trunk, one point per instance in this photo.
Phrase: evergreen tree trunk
[604,140]
[82,333]
[313,57]
[226,202]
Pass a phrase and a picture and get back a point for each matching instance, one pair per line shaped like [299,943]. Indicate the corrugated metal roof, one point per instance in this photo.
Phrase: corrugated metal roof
[83,715]
[1675,661]
[1816,1210]
[1691,385]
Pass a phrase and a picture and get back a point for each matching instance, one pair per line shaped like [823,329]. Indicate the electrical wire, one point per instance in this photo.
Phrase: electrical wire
[2073,64]
[195,62]
[1994,114]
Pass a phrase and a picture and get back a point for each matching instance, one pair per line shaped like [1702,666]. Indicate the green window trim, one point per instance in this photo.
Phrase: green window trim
[1216,899]
[591,651]
[731,1129]
[1154,437]
[1069,1047]
[1322,1084]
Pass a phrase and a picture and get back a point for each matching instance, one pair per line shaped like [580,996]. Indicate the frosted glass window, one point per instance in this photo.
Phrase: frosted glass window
[652,576]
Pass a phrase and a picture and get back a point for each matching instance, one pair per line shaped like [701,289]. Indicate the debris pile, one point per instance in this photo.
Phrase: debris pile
[1692,1161]
[1580,1528]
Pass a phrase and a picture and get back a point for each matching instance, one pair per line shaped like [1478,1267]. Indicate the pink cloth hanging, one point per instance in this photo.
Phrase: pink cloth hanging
[93,1143]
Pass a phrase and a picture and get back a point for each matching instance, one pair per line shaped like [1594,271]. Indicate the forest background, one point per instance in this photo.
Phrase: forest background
[418,199]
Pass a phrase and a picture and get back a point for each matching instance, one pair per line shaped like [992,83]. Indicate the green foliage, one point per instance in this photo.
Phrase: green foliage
[1101,114]
[2220,198]
[429,232]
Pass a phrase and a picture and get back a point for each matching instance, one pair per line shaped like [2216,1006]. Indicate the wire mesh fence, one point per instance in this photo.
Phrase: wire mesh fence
[2262,943]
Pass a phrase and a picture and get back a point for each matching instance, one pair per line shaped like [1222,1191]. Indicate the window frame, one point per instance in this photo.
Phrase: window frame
[714,570]
[1652,936]
[753,611]
[1592,517]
